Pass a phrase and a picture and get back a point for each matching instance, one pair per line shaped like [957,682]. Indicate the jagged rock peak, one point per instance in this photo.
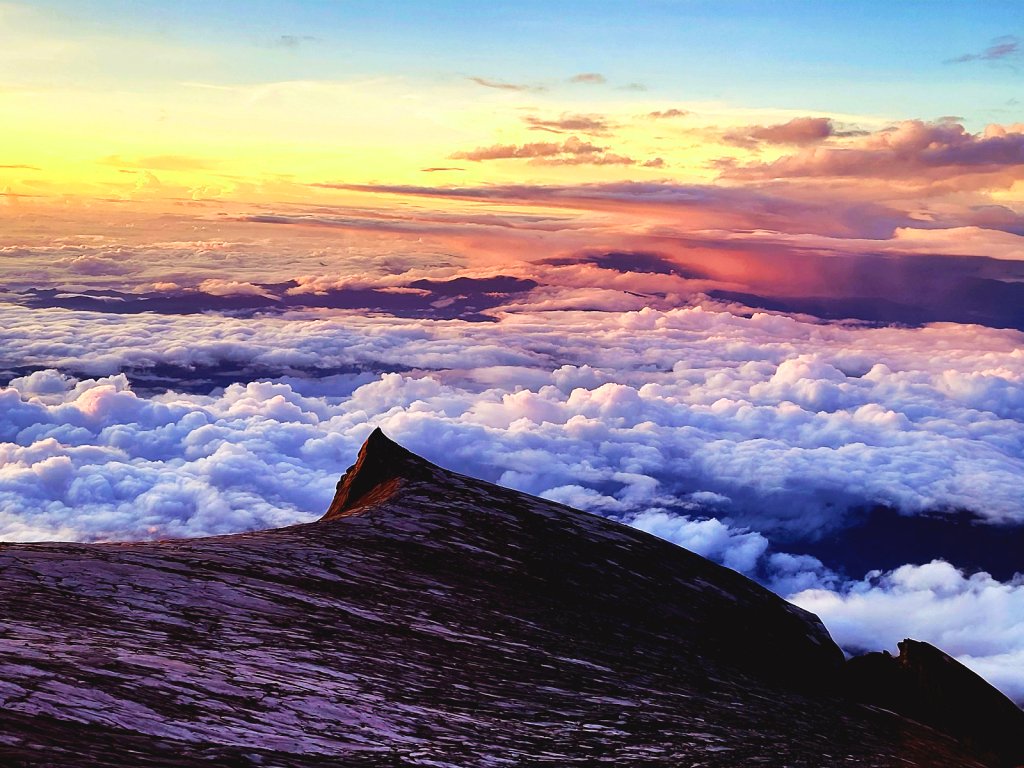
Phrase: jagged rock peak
[931,687]
[380,469]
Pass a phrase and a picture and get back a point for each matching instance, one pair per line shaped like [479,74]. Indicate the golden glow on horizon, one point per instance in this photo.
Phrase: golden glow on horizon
[269,142]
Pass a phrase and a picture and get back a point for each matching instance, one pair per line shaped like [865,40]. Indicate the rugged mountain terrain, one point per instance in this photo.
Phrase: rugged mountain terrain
[432,619]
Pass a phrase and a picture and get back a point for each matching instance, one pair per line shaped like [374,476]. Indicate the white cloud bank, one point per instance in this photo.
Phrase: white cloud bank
[782,424]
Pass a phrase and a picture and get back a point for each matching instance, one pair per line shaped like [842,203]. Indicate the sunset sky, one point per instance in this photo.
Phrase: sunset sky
[258,100]
[746,275]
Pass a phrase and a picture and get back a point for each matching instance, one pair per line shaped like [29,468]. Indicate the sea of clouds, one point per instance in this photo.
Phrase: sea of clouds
[729,434]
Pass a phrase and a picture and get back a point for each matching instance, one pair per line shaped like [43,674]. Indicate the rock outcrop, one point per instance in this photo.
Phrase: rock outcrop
[927,685]
[429,619]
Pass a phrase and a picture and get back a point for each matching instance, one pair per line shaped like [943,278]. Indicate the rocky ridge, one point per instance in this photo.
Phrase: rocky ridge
[433,619]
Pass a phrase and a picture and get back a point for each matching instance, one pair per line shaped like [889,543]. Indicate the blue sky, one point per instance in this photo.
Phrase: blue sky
[866,57]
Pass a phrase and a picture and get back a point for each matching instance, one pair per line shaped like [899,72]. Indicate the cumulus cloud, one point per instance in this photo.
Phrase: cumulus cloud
[799,131]
[787,423]
[912,151]
[99,264]
[737,549]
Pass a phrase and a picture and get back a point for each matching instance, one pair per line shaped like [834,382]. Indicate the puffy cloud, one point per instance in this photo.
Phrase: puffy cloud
[799,131]
[912,152]
[786,423]
[101,263]
[740,550]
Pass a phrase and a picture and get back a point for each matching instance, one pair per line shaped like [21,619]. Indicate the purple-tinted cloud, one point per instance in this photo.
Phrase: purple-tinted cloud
[667,114]
[571,146]
[1001,48]
[592,124]
[913,151]
[799,131]
[502,85]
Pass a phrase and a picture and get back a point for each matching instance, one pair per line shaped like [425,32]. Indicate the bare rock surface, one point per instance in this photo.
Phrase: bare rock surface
[429,619]
[931,687]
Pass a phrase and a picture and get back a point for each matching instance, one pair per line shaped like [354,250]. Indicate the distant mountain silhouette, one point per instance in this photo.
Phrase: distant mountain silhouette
[433,619]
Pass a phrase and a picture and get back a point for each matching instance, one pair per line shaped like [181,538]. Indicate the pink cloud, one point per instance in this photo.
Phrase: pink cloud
[590,78]
[571,146]
[593,124]
[667,114]
[913,151]
[799,131]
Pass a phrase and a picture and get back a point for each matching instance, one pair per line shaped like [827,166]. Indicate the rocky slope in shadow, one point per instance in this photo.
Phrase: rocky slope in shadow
[429,619]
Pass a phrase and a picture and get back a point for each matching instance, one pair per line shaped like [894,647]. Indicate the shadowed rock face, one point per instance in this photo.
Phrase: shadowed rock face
[428,619]
[927,685]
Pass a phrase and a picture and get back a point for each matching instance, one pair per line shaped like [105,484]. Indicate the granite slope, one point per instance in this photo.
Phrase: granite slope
[428,619]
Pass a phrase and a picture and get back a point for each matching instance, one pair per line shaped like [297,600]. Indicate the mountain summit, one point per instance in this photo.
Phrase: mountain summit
[433,619]
[380,469]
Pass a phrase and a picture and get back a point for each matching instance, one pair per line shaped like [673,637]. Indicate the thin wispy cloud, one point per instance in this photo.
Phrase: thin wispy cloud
[592,124]
[294,42]
[503,85]
[1002,48]
[571,146]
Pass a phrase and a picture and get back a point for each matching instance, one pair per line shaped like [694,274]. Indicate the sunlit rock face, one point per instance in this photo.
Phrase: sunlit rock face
[428,619]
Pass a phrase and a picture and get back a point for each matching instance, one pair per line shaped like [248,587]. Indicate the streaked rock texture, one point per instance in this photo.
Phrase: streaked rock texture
[428,619]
